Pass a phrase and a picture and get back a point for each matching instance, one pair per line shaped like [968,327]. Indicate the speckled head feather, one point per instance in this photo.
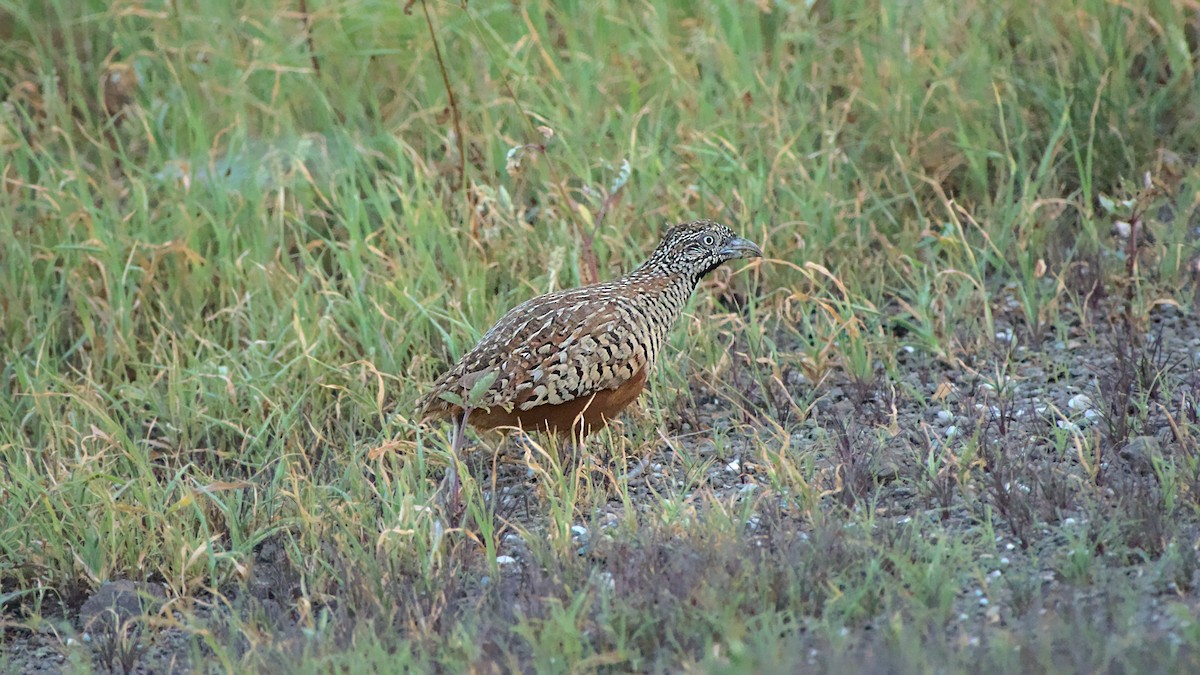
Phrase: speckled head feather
[697,248]
[574,358]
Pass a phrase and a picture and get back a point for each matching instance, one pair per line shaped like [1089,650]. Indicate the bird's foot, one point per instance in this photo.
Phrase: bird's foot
[452,502]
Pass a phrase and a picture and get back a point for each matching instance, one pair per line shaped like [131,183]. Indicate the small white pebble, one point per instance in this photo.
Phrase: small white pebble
[733,467]
[579,530]
[983,602]
[1067,425]
[951,431]
[1004,560]
[1079,402]
[505,560]
[1068,522]
[945,416]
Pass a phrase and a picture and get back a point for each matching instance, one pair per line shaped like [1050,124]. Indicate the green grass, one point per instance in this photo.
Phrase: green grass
[227,275]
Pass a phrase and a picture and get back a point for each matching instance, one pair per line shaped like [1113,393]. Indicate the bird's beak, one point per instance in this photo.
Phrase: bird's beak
[741,248]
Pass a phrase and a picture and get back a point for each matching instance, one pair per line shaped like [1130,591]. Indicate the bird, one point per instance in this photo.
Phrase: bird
[570,361]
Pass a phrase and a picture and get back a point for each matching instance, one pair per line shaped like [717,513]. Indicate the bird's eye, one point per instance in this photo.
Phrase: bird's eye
[708,240]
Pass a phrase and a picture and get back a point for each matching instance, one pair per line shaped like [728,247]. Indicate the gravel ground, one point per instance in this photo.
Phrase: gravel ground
[1010,397]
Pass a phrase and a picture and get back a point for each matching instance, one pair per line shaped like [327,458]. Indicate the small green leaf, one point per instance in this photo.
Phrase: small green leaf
[622,177]
[480,388]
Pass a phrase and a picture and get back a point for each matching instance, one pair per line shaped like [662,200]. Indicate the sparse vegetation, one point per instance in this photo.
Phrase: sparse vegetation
[950,423]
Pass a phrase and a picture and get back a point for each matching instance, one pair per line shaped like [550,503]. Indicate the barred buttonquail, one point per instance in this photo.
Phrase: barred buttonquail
[569,361]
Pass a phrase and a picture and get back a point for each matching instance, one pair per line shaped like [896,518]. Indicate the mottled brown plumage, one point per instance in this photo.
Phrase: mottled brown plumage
[570,361]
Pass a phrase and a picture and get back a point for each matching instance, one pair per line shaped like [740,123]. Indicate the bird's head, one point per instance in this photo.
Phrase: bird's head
[699,247]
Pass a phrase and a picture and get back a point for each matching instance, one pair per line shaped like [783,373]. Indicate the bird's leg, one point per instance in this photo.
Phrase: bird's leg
[456,445]
[583,462]
[573,443]
[579,431]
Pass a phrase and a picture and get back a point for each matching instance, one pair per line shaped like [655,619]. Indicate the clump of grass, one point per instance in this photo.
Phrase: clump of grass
[1130,390]
[119,649]
[856,455]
